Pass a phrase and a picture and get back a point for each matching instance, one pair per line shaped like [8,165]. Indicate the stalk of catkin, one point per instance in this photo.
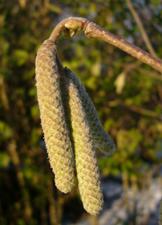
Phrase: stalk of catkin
[85,158]
[53,118]
[102,141]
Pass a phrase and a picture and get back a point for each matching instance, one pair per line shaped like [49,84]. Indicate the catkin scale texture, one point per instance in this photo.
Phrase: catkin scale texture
[102,141]
[53,118]
[86,162]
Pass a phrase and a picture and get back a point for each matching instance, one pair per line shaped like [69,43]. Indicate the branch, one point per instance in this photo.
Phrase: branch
[141,28]
[92,30]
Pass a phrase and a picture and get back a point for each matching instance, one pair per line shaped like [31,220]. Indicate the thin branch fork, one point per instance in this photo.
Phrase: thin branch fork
[92,30]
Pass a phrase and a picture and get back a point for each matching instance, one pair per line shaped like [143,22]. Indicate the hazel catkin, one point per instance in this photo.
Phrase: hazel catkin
[85,157]
[53,118]
[71,128]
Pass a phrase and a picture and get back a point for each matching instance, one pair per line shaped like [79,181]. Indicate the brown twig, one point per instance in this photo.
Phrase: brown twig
[141,28]
[92,30]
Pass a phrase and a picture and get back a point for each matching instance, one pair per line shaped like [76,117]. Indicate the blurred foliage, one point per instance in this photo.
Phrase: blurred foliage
[127,95]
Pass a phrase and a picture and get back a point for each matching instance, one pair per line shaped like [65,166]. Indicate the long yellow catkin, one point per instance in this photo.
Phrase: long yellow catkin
[84,146]
[53,117]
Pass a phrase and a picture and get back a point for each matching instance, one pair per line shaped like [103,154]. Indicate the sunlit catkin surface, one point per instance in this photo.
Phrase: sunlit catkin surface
[85,158]
[53,118]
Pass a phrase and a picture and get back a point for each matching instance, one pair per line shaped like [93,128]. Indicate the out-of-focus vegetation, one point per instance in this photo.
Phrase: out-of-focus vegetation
[127,95]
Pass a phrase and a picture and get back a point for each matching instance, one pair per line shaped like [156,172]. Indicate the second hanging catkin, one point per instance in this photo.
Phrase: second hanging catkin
[88,136]
[84,146]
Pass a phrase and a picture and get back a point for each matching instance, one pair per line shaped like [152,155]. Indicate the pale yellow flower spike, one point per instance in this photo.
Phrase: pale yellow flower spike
[84,146]
[53,118]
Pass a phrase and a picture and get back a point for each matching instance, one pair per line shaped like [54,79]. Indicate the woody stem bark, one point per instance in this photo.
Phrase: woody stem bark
[92,30]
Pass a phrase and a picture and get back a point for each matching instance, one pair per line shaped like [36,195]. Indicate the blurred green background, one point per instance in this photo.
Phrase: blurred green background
[126,93]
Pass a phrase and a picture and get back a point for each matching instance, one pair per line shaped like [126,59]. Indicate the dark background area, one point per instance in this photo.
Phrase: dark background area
[126,93]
